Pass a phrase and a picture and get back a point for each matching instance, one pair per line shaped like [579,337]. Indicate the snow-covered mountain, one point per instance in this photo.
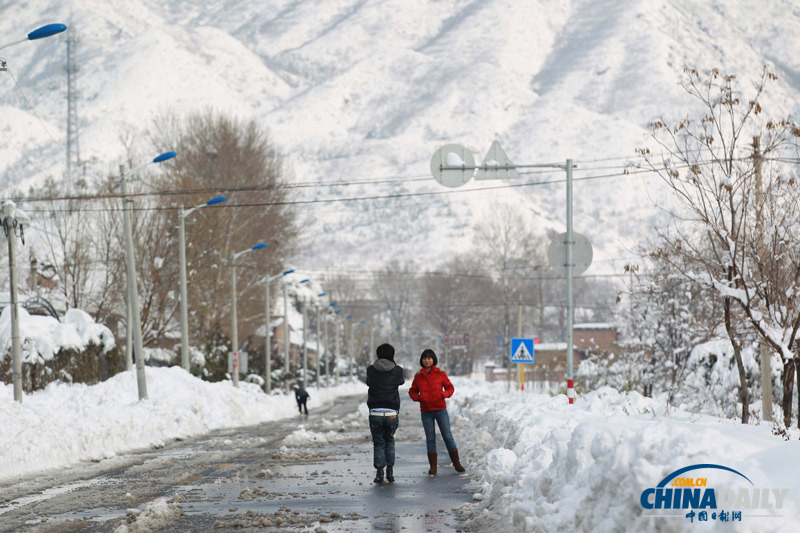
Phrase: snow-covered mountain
[364,91]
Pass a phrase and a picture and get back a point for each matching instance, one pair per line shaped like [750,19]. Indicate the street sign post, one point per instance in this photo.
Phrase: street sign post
[454,340]
[582,253]
[450,166]
[522,350]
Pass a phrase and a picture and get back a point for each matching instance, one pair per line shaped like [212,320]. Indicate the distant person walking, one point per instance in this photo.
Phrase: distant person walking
[383,400]
[430,388]
[302,397]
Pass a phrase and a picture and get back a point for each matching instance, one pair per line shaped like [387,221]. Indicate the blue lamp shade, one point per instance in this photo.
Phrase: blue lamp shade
[333,304]
[397,328]
[46,31]
[286,272]
[363,322]
[305,280]
[348,317]
[217,200]
[164,157]
[260,246]
[320,295]
[337,311]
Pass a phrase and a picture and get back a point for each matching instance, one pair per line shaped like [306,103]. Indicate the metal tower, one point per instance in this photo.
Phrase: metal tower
[73,146]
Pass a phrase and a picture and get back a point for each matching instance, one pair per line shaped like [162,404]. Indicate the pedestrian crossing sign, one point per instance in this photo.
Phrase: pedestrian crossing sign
[522,350]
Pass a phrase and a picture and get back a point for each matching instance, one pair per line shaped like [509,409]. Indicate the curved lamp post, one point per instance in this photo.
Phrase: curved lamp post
[319,336]
[182,215]
[336,314]
[267,357]
[372,331]
[305,338]
[286,339]
[130,259]
[39,33]
[11,222]
[235,331]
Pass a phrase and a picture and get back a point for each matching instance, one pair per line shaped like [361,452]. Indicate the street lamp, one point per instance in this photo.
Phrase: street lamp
[130,259]
[372,335]
[12,218]
[39,33]
[319,335]
[235,332]
[286,340]
[305,337]
[336,330]
[351,353]
[268,359]
[182,215]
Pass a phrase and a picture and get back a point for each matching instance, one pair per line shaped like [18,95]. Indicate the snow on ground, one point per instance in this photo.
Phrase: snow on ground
[535,463]
[68,423]
[538,464]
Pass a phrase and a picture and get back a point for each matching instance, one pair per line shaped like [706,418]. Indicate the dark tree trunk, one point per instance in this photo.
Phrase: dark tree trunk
[788,384]
[796,361]
[737,355]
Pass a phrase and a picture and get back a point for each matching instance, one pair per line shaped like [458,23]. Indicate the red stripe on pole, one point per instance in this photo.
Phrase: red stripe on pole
[570,383]
[571,390]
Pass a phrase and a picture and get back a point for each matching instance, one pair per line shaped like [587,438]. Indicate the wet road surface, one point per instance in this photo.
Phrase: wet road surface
[277,476]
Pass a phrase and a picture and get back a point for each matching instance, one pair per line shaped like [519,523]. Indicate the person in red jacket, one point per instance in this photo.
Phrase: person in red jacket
[430,388]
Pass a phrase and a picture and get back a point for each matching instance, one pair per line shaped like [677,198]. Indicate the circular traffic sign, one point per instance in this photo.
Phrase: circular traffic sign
[581,253]
[452,165]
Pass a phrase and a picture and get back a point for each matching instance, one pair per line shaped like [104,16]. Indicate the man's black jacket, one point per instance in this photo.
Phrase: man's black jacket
[383,378]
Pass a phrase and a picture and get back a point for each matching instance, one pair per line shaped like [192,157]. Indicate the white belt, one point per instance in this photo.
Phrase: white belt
[383,413]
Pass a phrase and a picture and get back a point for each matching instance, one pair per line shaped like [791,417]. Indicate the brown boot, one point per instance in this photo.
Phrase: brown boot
[456,462]
[432,457]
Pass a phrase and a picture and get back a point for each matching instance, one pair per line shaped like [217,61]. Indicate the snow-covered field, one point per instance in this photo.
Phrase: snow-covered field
[65,424]
[535,462]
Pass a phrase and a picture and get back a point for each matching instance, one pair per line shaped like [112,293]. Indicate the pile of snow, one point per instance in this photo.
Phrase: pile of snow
[156,515]
[67,423]
[42,337]
[540,464]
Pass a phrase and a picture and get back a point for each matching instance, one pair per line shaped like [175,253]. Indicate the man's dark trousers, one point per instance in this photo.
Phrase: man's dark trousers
[382,429]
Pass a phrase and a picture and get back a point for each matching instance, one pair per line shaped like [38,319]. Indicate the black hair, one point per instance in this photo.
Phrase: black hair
[385,351]
[427,352]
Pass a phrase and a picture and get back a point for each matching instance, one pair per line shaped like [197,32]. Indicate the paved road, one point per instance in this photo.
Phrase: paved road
[250,479]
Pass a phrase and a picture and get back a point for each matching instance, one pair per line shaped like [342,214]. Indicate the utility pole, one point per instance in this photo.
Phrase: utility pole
[336,335]
[764,349]
[73,147]
[234,323]
[320,331]
[10,224]
[305,344]
[133,292]
[519,335]
[285,340]
[184,304]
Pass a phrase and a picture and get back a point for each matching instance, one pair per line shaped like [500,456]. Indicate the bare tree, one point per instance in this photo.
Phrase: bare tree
[510,249]
[223,155]
[710,170]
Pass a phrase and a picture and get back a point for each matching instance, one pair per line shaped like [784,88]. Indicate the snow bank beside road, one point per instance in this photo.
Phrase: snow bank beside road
[68,423]
[539,464]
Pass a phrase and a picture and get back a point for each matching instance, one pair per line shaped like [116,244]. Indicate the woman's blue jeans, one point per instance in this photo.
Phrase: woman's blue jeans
[443,419]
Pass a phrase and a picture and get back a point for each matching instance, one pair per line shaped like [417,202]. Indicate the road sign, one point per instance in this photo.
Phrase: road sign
[453,340]
[452,155]
[521,350]
[581,253]
[495,165]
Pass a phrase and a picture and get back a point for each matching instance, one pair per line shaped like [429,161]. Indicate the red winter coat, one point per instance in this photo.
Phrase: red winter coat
[431,389]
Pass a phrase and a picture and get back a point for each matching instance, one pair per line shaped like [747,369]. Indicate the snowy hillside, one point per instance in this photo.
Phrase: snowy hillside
[365,91]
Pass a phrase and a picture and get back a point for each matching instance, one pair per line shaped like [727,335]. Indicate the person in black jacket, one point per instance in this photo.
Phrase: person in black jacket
[302,397]
[383,400]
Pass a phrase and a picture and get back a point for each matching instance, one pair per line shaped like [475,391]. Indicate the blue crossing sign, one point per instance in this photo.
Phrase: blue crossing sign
[522,350]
